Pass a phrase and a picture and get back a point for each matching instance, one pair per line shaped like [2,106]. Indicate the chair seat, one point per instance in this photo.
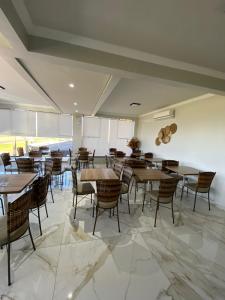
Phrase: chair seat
[84,189]
[193,186]
[154,196]
[11,169]
[105,205]
[14,235]
[124,188]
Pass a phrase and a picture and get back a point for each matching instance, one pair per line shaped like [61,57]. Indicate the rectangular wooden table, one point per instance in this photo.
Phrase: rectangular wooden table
[183,170]
[150,175]
[97,174]
[14,184]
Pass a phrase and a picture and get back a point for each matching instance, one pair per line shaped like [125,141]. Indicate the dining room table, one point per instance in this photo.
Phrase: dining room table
[14,184]
[98,174]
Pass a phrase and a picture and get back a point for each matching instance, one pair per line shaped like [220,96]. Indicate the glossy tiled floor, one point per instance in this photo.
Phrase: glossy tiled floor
[166,262]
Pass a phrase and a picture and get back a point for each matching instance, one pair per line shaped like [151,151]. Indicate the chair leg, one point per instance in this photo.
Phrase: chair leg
[31,237]
[118,220]
[209,200]
[156,212]
[51,192]
[172,210]
[75,210]
[46,210]
[135,195]
[143,204]
[110,212]
[195,201]
[39,221]
[91,198]
[128,202]
[9,271]
[73,198]
[3,212]
[182,191]
[93,210]
[96,216]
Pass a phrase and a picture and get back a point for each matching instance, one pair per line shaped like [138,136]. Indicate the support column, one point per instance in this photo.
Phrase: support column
[77,132]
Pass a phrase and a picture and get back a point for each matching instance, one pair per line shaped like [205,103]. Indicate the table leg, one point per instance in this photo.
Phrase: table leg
[5,198]
[179,220]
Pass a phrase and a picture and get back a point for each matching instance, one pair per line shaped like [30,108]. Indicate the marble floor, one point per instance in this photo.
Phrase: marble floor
[142,262]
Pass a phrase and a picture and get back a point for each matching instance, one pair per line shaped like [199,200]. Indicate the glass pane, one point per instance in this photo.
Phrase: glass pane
[7,144]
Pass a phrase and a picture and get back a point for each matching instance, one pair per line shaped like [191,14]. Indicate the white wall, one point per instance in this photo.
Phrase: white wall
[198,142]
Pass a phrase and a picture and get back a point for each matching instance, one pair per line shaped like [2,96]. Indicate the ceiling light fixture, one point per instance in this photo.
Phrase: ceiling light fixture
[2,87]
[75,103]
[135,104]
[71,85]
[76,111]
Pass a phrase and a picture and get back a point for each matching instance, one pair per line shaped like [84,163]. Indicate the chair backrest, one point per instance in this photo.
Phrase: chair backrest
[48,166]
[44,149]
[127,175]
[117,168]
[93,155]
[82,149]
[167,188]
[25,165]
[40,190]
[112,150]
[6,159]
[34,153]
[57,164]
[108,192]
[119,154]
[149,155]
[18,213]
[135,163]
[169,162]
[20,151]
[83,155]
[205,179]
[74,176]
[57,154]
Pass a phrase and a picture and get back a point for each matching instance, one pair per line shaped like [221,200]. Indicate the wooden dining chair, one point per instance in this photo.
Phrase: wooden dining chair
[20,151]
[26,165]
[15,224]
[164,195]
[112,151]
[56,153]
[80,189]
[127,175]
[58,171]
[80,149]
[108,193]
[39,196]
[35,153]
[202,186]
[6,160]
[92,159]
[120,154]
[117,168]
[83,159]
[48,171]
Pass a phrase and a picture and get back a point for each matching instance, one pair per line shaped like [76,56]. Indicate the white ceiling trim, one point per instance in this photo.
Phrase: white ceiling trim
[109,87]
[107,47]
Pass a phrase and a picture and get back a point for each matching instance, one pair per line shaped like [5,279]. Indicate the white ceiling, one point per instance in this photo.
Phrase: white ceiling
[116,52]
[17,90]
[191,31]
[55,79]
[151,94]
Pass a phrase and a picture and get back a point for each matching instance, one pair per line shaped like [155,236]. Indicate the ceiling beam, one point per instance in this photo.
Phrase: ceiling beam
[109,87]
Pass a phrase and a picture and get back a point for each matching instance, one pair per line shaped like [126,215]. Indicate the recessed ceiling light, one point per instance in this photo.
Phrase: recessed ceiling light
[76,111]
[135,104]
[71,85]
[2,87]
[75,103]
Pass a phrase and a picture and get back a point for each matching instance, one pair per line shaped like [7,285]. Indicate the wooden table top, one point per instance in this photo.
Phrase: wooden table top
[150,175]
[42,158]
[97,174]
[15,183]
[183,170]
[154,159]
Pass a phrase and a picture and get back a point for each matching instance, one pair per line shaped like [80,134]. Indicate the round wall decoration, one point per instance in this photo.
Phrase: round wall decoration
[165,134]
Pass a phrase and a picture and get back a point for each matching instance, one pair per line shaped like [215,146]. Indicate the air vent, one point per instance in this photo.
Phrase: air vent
[166,114]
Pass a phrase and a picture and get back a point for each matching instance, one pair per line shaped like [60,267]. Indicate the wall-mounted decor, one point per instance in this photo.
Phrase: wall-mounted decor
[165,134]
